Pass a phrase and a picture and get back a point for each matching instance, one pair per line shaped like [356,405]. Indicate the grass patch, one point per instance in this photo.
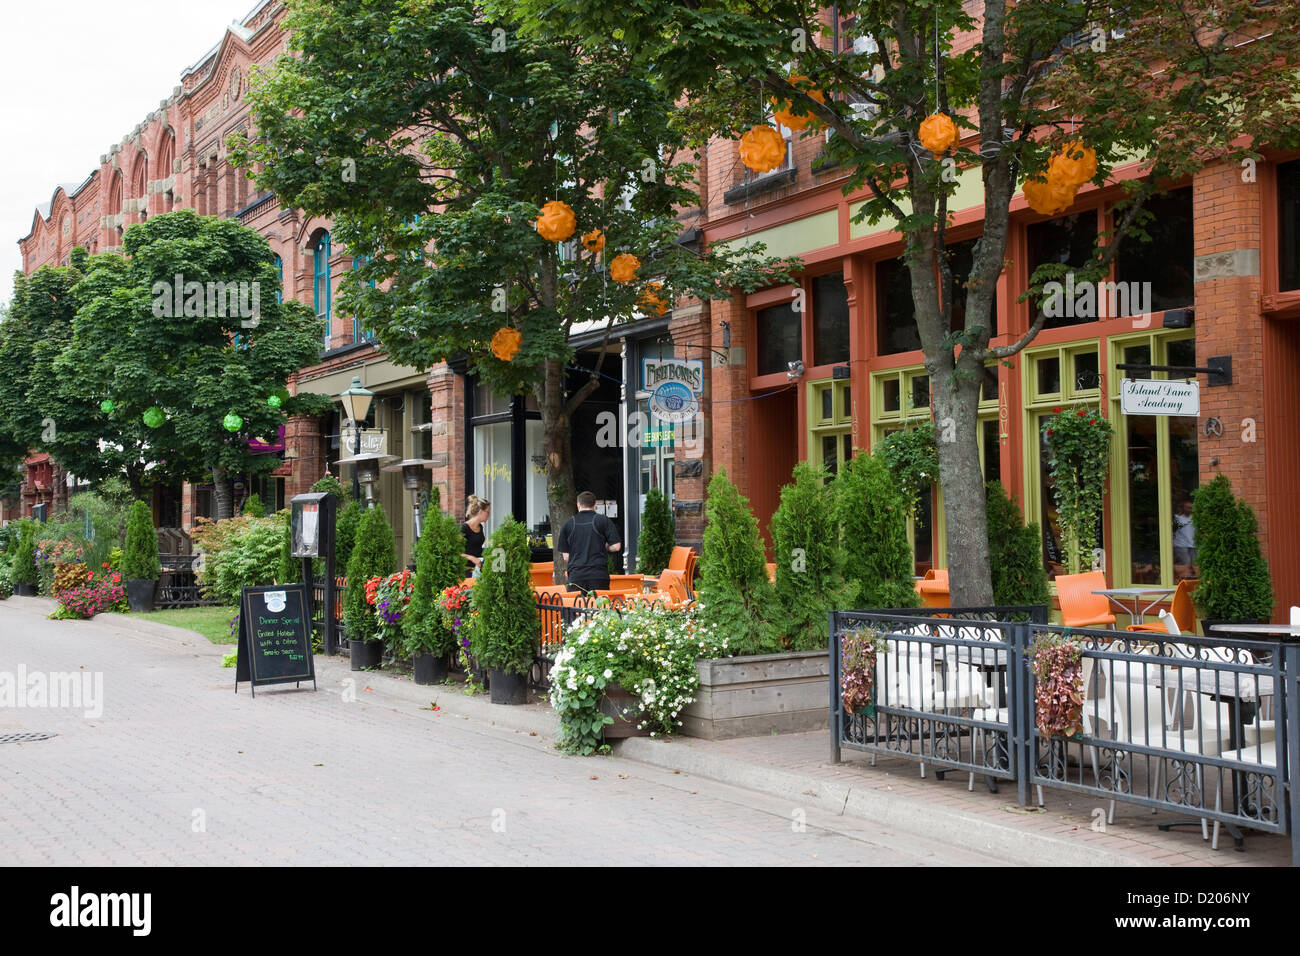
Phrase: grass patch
[212,622]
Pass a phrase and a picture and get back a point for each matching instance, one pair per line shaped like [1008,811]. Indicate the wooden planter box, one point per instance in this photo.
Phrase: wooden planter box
[760,695]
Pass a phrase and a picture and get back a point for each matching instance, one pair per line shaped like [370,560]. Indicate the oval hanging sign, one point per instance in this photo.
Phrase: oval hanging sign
[673,401]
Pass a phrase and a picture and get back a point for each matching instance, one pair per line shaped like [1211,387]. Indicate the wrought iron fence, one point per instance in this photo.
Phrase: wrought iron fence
[557,615]
[177,585]
[1188,724]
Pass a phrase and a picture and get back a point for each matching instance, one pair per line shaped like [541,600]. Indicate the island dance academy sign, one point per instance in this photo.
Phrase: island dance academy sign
[1147,397]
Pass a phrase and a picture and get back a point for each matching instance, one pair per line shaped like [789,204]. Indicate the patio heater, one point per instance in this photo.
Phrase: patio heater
[415,474]
[367,468]
[356,400]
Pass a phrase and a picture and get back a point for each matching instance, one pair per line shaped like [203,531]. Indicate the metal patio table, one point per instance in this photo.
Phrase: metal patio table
[1135,594]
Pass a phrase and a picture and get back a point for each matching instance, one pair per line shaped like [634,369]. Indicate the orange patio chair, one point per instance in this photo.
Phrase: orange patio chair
[1180,607]
[626,582]
[933,588]
[670,590]
[691,560]
[542,573]
[1079,606]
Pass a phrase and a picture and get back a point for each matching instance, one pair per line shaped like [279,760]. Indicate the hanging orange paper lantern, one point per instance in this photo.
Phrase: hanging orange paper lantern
[651,299]
[786,118]
[623,268]
[762,149]
[506,342]
[1047,197]
[938,133]
[556,221]
[593,241]
[1073,163]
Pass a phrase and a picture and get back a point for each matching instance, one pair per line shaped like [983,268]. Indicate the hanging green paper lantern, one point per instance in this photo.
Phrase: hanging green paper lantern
[275,401]
[154,416]
[106,406]
[232,422]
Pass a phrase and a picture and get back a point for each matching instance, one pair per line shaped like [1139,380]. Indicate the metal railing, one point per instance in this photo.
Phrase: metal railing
[556,617]
[177,586]
[1204,727]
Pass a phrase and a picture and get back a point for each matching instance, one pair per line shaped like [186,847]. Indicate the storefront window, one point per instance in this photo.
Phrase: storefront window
[1168,260]
[1157,456]
[493,472]
[779,331]
[830,410]
[1288,226]
[1066,240]
[830,320]
[895,313]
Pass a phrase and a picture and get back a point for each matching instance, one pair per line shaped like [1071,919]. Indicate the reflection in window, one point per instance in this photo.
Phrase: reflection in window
[1184,478]
[1168,260]
[1144,499]
[895,316]
[1288,226]
[1067,240]
[778,338]
[1049,375]
[830,320]
[921,391]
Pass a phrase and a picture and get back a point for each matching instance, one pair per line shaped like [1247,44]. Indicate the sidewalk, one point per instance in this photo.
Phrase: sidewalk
[795,767]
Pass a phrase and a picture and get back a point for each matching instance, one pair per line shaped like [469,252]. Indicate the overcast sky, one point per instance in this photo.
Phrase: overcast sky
[76,77]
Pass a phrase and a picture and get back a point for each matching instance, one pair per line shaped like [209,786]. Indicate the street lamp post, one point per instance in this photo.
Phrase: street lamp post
[356,400]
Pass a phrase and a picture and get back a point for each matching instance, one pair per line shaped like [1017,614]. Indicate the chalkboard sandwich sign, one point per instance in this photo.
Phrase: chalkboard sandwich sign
[274,636]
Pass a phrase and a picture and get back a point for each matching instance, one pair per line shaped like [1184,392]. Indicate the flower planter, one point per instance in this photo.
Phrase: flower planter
[23,589]
[613,704]
[760,695]
[430,668]
[366,653]
[139,594]
[506,688]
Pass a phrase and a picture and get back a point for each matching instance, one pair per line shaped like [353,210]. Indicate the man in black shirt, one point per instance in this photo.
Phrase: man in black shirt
[585,542]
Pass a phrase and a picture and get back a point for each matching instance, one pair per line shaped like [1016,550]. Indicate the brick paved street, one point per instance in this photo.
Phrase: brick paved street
[180,770]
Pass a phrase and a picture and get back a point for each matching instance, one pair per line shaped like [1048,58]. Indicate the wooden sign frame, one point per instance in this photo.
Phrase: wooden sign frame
[246,660]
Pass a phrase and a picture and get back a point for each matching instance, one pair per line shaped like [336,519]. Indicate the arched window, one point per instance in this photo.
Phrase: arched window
[279,275]
[140,184]
[357,334]
[166,155]
[321,282]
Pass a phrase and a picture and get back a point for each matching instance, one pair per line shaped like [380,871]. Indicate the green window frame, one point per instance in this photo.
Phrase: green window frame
[830,424]
[321,296]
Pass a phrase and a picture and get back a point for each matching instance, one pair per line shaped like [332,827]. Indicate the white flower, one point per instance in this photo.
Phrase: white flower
[608,673]
[591,679]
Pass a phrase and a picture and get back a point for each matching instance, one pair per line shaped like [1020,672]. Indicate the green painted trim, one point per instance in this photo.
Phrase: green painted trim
[969,195]
[793,238]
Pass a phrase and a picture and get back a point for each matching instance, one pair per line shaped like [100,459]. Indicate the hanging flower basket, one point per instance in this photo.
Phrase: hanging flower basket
[858,650]
[1057,666]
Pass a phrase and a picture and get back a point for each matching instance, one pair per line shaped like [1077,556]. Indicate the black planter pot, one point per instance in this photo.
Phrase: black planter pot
[23,589]
[366,653]
[139,594]
[508,688]
[430,668]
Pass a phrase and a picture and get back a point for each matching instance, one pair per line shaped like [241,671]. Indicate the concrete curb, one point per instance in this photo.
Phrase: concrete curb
[960,829]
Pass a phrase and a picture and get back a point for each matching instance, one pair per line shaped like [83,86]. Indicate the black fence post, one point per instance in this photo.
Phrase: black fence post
[1289,730]
[835,686]
[1022,705]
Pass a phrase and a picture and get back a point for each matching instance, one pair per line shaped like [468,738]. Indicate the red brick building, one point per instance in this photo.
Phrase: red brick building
[1224,276]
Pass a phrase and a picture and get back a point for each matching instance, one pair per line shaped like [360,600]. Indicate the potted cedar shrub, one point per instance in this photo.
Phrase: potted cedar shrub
[140,566]
[1236,586]
[253,506]
[872,517]
[505,636]
[810,579]
[738,601]
[24,572]
[374,554]
[426,637]
[1015,552]
[654,545]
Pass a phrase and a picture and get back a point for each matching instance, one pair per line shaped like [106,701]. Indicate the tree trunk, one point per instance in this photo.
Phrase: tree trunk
[956,407]
[222,493]
[557,431]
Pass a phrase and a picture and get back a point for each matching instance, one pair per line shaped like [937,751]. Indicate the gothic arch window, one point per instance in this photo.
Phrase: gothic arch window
[166,156]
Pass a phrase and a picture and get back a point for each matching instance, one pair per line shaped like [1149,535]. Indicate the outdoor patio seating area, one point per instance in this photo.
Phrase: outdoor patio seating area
[1200,730]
